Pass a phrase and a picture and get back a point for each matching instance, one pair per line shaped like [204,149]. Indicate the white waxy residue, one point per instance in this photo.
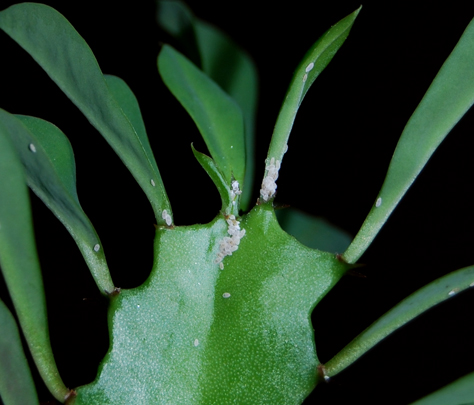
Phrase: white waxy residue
[32,147]
[152,182]
[309,67]
[226,295]
[268,184]
[229,244]
[235,190]
[96,247]
[378,203]
[196,343]
[166,217]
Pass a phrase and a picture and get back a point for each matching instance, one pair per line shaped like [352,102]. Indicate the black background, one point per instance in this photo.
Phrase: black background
[341,144]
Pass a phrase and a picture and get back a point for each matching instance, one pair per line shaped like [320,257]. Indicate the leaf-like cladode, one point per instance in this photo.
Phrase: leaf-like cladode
[218,179]
[314,232]
[20,266]
[216,115]
[313,63]
[448,98]
[57,47]
[48,159]
[224,62]
[425,298]
[16,383]
[196,334]
[459,392]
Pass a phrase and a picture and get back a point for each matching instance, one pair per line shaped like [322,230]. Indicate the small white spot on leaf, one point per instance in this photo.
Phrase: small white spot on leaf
[226,295]
[32,147]
[196,342]
[166,217]
[221,266]
[309,67]
[305,77]
[453,292]
[378,203]
[152,182]
[97,247]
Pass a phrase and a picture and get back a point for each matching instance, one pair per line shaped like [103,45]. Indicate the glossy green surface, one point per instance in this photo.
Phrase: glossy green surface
[57,47]
[196,334]
[16,383]
[218,179]
[459,392]
[223,61]
[48,159]
[19,262]
[217,116]
[313,63]
[448,98]
[408,309]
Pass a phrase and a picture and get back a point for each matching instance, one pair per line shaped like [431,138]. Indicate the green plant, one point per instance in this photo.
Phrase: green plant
[223,193]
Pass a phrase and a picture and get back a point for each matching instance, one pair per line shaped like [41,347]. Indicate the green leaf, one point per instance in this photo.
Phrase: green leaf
[225,63]
[48,159]
[448,98]
[218,179]
[57,47]
[313,63]
[216,115]
[193,333]
[20,267]
[459,392]
[314,232]
[16,383]
[408,309]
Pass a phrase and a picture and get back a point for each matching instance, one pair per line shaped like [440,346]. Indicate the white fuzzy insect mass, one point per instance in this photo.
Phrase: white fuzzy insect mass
[229,244]
[166,217]
[268,184]
[235,191]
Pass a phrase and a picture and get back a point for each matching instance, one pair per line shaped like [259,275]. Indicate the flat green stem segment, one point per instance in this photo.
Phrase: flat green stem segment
[229,202]
[216,115]
[314,232]
[313,63]
[16,383]
[459,392]
[57,47]
[20,267]
[196,334]
[224,62]
[448,98]
[48,159]
[412,306]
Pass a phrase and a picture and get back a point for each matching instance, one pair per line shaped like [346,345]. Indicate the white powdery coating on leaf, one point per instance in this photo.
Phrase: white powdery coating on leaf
[229,244]
[309,67]
[166,217]
[268,184]
[226,295]
[378,203]
[32,147]
[96,247]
